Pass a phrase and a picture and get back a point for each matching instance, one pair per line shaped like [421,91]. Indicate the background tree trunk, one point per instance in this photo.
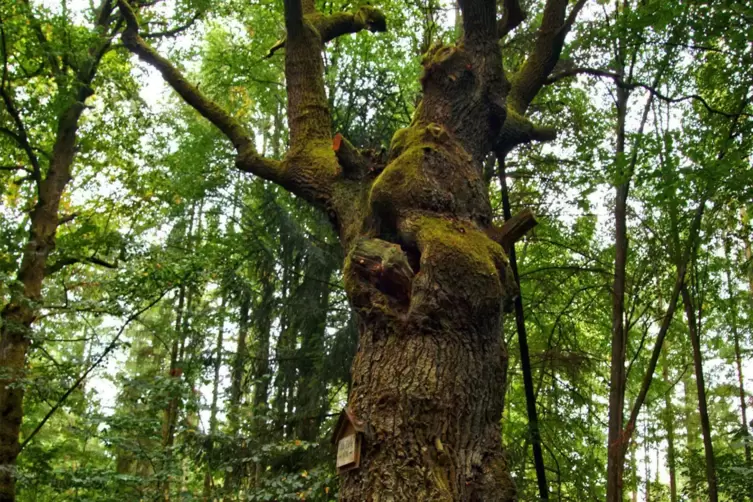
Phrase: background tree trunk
[207,495]
[701,389]
[738,356]
[18,315]
[669,427]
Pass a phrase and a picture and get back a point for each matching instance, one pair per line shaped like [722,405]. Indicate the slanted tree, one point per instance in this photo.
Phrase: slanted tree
[48,164]
[425,270]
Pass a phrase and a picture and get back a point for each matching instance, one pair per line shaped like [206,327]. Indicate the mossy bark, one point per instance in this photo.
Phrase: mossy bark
[421,270]
[429,377]
[429,286]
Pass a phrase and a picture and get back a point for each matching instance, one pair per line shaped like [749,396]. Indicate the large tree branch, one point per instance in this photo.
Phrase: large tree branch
[519,130]
[512,15]
[547,49]
[248,160]
[308,109]
[621,83]
[342,23]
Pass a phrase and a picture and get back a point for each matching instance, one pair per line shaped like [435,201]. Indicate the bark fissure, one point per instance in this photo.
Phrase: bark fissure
[423,270]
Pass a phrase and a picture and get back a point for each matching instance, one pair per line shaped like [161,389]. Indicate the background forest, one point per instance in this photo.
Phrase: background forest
[194,340]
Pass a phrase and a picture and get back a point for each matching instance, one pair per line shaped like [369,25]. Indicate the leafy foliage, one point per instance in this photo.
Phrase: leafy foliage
[157,214]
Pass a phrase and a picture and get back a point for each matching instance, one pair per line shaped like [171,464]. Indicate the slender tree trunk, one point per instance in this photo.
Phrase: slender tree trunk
[525,360]
[738,357]
[616,448]
[170,412]
[261,367]
[701,389]
[647,455]
[634,471]
[207,495]
[285,349]
[692,422]
[669,426]
[747,248]
[239,362]
[311,397]
[237,376]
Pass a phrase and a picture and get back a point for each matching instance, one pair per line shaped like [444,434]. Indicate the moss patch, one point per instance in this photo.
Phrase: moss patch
[439,238]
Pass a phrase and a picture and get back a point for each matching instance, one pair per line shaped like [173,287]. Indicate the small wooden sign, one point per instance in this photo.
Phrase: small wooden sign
[347,436]
[346,451]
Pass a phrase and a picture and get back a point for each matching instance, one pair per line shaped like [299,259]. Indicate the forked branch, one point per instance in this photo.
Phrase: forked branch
[555,25]
[342,23]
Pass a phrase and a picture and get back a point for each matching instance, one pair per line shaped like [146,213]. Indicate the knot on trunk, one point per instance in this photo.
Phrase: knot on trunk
[357,163]
[462,271]
[381,265]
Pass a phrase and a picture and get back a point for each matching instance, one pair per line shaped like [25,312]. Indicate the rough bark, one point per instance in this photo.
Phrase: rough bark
[427,281]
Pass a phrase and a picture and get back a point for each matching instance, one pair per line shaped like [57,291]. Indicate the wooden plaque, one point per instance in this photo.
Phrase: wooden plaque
[348,437]
[346,451]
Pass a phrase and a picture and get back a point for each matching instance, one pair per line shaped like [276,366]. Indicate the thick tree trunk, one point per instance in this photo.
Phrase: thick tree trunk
[425,270]
[702,402]
[432,399]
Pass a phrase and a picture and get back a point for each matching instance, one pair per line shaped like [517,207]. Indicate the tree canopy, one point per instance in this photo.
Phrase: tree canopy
[224,223]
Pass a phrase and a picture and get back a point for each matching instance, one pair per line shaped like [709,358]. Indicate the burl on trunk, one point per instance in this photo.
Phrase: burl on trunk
[425,270]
